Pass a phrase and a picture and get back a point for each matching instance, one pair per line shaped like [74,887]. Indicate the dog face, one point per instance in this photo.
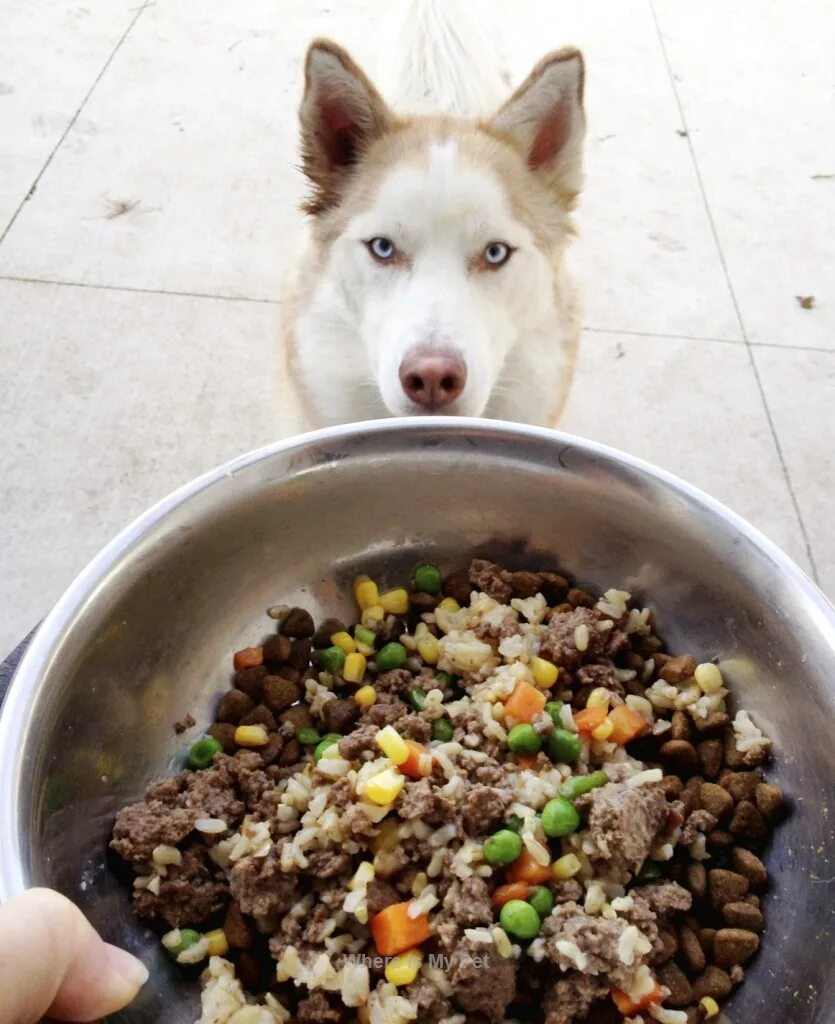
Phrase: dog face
[440,237]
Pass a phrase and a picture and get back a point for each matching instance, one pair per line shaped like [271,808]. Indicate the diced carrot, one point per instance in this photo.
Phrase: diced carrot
[511,891]
[628,724]
[414,766]
[589,719]
[525,703]
[249,657]
[526,760]
[526,869]
[394,931]
[626,1005]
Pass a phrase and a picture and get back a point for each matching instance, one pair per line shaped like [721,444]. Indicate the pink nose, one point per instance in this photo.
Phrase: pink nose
[433,379]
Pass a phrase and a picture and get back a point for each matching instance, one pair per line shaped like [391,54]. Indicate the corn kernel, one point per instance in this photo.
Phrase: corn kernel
[403,969]
[544,672]
[345,641]
[598,698]
[365,592]
[566,867]
[395,602]
[354,668]
[604,730]
[251,736]
[372,615]
[392,745]
[427,648]
[362,876]
[388,838]
[384,787]
[709,1007]
[449,604]
[709,677]
[217,942]
[366,696]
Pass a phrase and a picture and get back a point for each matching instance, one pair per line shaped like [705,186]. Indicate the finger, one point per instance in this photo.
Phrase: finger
[54,962]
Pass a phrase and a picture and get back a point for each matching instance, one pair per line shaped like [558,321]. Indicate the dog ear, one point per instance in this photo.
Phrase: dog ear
[545,119]
[341,114]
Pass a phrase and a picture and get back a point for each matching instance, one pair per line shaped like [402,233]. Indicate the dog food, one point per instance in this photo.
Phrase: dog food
[494,797]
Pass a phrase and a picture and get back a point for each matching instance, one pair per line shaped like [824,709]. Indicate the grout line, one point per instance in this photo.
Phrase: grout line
[140,291]
[697,337]
[734,300]
[73,119]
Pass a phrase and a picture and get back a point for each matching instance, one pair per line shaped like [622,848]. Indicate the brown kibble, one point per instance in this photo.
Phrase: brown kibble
[752,899]
[671,786]
[298,716]
[249,680]
[647,645]
[725,887]
[734,946]
[673,977]
[249,972]
[697,879]
[681,728]
[277,649]
[322,636]
[716,800]
[748,864]
[233,706]
[690,795]
[743,915]
[714,983]
[691,950]
[526,584]
[667,946]
[292,752]
[554,587]
[299,658]
[224,733]
[720,840]
[293,674]
[735,758]
[236,929]
[261,715]
[747,822]
[769,799]
[457,585]
[710,758]
[633,660]
[678,670]
[273,747]
[740,785]
[280,693]
[578,598]
[299,622]
[679,755]
[706,940]
[713,722]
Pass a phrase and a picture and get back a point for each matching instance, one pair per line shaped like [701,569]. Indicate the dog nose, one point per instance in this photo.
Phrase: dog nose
[433,379]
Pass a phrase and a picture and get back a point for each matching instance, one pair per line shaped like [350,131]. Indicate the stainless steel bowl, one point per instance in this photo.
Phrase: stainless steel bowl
[143,636]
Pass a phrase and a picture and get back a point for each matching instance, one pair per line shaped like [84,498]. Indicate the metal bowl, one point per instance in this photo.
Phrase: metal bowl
[143,636]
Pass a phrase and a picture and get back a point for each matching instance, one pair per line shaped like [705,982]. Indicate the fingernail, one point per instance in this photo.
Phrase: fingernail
[131,970]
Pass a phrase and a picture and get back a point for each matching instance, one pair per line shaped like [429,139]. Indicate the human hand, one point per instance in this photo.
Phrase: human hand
[53,962]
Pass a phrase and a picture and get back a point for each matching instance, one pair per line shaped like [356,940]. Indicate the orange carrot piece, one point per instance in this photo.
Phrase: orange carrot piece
[394,931]
[412,765]
[511,891]
[249,657]
[526,869]
[525,703]
[626,1005]
[526,760]
[589,719]
[628,724]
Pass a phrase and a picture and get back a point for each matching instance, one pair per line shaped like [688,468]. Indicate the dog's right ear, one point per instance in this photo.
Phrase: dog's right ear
[341,115]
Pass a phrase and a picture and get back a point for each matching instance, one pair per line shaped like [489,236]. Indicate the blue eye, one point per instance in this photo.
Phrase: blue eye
[382,249]
[496,254]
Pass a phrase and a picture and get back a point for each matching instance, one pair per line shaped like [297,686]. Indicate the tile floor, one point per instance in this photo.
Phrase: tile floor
[148,197]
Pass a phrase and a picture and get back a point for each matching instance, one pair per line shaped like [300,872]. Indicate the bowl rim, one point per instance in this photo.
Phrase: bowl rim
[49,633]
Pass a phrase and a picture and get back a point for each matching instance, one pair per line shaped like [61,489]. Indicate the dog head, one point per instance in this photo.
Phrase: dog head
[441,235]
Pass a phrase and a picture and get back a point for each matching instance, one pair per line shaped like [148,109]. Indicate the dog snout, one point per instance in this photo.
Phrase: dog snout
[433,379]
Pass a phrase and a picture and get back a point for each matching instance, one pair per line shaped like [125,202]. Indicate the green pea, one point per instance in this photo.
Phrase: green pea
[307,735]
[442,730]
[515,823]
[577,785]
[445,679]
[332,659]
[417,698]
[188,937]
[503,847]
[524,739]
[542,900]
[324,743]
[563,746]
[364,636]
[391,656]
[554,709]
[428,578]
[520,919]
[649,870]
[560,817]
[203,751]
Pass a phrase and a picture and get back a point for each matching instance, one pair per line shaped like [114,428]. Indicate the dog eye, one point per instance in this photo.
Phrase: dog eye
[496,254]
[382,249]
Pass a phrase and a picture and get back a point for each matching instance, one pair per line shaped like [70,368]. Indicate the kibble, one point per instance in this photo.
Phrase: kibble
[678,670]
[234,704]
[714,983]
[691,950]
[673,977]
[716,800]
[768,799]
[747,822]
[299,623]
[749,865]
[679,755]
[697,879]
[740,785]
[743,915]
[725,887]
[710,758]
[734,946]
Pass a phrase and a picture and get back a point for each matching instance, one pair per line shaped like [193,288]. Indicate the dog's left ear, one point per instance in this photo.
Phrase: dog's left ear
[341,114]
[545,119]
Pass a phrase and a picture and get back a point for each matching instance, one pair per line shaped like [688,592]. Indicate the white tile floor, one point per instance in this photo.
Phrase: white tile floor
[139,349]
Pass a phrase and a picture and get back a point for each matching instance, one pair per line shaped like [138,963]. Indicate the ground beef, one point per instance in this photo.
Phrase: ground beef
[624,822]
[167,791]
[492,579]
[380,895]
[188,894]
[213,792]
[318,1008]
[591,676]
[359,742]
[139,828]
[570,998]
[424,801]
[699,821]
[472,907]
[664,898]
[327,863]
[261,887]
[595,937]
[398,681]
[357,823]
[484,808]
[431,1004]
[485,985]
[558,643]
[383,714]
[565,892]
[316,924]
[489,772]
[340,715]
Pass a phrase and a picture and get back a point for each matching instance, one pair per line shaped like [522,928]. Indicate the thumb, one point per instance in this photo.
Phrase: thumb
[53,962]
